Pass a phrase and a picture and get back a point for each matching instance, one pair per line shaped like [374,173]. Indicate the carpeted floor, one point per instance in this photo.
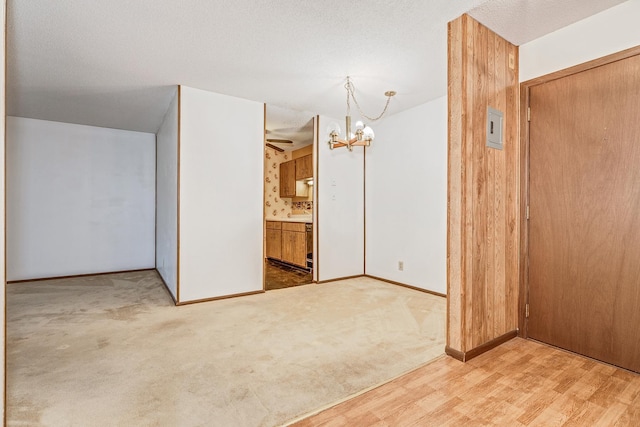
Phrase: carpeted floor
[113,351]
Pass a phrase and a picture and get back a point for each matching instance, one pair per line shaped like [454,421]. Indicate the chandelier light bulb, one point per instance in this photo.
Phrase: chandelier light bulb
[359,125]
[333,127]
[368,133]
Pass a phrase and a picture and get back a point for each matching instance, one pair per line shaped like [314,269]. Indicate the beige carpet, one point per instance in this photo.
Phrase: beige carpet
[113,350]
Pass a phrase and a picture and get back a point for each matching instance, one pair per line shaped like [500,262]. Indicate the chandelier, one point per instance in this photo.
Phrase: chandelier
[364,134]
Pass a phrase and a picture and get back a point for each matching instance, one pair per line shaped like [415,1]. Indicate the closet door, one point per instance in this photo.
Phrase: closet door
[584,241]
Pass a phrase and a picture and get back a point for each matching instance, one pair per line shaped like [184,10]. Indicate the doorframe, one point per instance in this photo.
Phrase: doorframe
[314,210]
[525,87]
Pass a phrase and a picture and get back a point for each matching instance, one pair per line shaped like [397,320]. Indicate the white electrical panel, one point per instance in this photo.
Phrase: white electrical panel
[494,128]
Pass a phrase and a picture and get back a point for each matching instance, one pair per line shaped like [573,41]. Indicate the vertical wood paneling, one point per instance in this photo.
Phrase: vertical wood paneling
[512,196]
[480,312]
[493,192]
[500,63]
[483,188]
[468,84]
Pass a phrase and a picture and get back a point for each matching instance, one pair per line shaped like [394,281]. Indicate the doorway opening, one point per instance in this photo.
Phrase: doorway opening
[289,196]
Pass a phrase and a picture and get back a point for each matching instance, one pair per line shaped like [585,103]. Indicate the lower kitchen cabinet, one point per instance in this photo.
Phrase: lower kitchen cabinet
[274,243]
[294,248]
[287,241]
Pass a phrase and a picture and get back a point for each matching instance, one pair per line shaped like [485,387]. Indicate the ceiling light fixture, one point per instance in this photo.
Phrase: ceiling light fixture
[364,134]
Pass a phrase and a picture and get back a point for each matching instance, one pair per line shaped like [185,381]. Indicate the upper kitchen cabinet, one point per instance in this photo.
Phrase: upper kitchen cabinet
[304,167]
[291,184]
[288,179]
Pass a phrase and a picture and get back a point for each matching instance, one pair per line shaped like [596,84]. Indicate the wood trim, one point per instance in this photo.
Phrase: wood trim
[178,196]
[316,205]
[364,210]
[524,166]
[457,107]
[166,287]
[337,279]
[415,288]
[477,351]
[456,354]
[243,294]
[74,276]
[155,204]
[264,196]
[4,243]
[523,286]
[608,59]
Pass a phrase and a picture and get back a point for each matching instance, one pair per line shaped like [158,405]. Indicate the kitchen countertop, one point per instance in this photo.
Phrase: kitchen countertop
[294,218]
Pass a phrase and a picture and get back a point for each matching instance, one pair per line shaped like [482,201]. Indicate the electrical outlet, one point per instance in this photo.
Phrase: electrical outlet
[401,265]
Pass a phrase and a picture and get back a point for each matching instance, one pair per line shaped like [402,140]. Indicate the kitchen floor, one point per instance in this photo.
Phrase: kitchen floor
[279,276]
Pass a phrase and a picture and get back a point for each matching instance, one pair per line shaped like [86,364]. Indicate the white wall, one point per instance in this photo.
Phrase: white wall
[340,208]
[406,197]
[221,173]
[599,35]
[80,199]
[167,198]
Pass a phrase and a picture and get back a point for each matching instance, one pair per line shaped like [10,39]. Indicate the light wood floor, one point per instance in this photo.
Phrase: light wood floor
[521,383]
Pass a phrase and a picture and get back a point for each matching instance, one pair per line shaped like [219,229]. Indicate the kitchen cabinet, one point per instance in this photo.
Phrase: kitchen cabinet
[304,167]
[289,242]
[296,170]
[274,240]
[288,179]
[294,243]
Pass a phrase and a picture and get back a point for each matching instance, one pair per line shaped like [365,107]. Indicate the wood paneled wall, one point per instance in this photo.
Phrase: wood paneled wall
[483,211]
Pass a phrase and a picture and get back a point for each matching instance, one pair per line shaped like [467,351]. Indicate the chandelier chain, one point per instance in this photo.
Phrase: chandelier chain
[349,86]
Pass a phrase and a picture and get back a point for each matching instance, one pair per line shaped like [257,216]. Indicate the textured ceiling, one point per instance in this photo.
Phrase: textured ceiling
[113,63]
[292,125]
[520,21]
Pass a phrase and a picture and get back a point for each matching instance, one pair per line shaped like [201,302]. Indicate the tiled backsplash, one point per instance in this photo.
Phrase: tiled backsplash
[298,208]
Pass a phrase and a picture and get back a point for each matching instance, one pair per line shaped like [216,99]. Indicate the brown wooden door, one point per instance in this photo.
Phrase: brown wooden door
[584,241]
